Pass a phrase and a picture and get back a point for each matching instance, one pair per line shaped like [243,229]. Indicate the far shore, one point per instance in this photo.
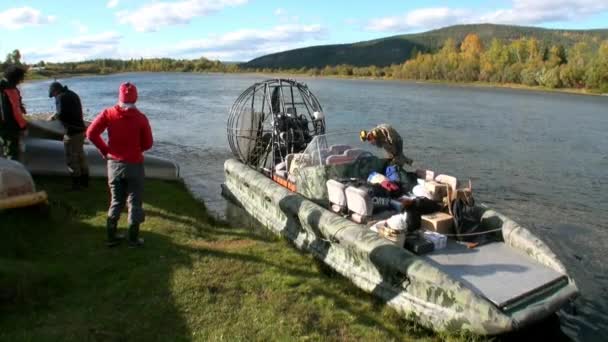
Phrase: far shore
[478,84]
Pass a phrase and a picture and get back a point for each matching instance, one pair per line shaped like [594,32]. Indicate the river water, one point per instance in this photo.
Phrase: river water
[540,158]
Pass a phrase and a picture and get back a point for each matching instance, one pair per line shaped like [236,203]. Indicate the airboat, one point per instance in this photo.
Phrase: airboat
[284,172]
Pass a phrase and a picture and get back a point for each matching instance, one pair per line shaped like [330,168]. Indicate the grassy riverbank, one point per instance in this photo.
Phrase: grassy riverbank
[195,279]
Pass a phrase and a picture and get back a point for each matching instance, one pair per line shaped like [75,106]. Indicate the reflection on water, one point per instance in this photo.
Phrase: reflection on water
[539,158]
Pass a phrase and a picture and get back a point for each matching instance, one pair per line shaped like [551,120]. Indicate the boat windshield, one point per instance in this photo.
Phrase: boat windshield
[333,156]
[339,148]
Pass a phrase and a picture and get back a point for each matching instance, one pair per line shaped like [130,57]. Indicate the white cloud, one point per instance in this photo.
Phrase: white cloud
[249,43]
[102,40]
[541,11]
[20,17]
[100,45]
[153,16]
[522,12]
[419,19]
[112,3]
[239,45]
[280,12]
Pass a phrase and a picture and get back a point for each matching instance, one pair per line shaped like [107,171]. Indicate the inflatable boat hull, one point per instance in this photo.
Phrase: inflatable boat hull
[47,157]
[412,284]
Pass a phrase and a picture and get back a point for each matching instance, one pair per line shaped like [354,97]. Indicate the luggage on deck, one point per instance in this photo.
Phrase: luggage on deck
[395,235]
[437,190]
[418,244]
[439,241]
[439,222]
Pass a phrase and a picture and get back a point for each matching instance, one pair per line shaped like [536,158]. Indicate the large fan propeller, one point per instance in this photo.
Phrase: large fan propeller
[271,119]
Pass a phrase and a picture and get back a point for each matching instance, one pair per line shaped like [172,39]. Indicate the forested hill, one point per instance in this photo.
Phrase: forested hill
[397,49]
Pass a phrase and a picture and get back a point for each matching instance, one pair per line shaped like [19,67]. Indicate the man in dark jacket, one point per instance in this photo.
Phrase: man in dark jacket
[12,122]
[69,112]
[129,135]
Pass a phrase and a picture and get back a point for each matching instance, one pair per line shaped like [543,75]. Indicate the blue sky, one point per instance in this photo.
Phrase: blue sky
[239,30]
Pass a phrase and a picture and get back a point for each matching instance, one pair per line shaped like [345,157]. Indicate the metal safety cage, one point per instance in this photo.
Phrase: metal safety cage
[272,119]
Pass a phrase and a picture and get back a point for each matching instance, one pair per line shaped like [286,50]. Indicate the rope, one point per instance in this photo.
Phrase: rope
[473,234]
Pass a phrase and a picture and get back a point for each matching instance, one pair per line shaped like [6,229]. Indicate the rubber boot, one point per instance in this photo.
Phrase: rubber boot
[134,240]
[75,183]
[111,229]
[84,180]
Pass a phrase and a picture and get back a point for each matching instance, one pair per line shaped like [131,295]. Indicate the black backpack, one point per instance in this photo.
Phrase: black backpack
[467,219]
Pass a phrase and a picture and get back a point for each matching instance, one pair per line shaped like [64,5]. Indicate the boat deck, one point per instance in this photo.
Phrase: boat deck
[495,271]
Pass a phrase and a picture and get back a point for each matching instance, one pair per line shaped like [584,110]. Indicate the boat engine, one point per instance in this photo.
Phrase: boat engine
[272,119]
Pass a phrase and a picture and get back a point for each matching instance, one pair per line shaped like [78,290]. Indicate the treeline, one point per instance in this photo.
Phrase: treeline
[522,61]
[109,66]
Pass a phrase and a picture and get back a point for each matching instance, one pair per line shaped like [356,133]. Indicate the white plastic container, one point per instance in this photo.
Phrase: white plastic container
[438,240]
[395,236]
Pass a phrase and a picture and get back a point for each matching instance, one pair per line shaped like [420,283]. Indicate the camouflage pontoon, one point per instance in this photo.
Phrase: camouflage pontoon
[491,289]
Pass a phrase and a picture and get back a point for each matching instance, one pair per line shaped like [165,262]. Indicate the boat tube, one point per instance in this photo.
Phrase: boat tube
[44,153]
[17,188]
[492,289]
[47,157]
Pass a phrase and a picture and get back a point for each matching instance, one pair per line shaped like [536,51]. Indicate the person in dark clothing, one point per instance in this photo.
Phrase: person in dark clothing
[13,126]
[69,112]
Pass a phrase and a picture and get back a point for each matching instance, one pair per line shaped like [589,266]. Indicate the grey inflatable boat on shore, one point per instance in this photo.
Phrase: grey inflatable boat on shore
[44,154]
[17,188]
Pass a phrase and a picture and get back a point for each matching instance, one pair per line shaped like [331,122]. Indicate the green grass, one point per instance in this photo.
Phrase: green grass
[195,279]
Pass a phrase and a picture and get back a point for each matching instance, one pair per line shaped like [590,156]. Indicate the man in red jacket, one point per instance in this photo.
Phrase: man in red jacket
[129,135]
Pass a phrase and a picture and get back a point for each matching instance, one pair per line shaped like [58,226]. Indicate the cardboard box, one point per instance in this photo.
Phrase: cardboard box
[437,190]
[449,180]
[425,174]
[439,222]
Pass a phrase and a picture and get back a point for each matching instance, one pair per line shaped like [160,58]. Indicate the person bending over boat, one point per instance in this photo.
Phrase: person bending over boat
[129,135]
[386,137]
[13,126]
[69,112]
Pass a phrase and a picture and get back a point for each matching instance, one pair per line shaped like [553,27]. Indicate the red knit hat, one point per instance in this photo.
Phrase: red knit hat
[127,93]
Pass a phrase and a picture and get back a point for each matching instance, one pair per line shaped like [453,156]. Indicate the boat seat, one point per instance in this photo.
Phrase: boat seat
[354,152]
[338,149]
[281,173]
[336,195]
[282,166]
[359,204]
[339,159]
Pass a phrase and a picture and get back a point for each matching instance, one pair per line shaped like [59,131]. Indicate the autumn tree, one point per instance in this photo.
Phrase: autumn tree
[493,62]
[572,74]
[597,72]
[468,66]
[446,61]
